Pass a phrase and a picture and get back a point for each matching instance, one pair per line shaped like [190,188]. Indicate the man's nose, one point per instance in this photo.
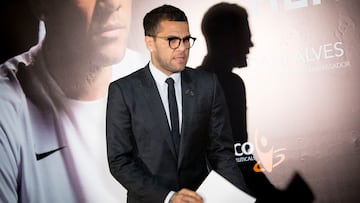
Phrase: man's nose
[110,5]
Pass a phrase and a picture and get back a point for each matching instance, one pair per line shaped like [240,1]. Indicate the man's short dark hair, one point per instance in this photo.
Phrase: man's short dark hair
[154,17]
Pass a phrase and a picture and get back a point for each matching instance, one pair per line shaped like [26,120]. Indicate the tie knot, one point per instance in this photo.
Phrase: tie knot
[170,81]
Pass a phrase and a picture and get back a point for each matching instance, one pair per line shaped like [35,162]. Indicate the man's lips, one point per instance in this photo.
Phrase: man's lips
[180,59]
[110,31]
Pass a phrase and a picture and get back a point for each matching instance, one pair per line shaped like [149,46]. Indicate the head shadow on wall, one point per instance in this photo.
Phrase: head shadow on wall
[227,33]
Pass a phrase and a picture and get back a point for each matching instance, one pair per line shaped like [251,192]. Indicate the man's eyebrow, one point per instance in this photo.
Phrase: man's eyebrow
[173,36]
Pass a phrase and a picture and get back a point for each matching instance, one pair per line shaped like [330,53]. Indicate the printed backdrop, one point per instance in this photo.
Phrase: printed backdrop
[302,89]
[302,84]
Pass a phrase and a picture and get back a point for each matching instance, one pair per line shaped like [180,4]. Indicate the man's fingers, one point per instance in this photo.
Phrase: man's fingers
[187,198]
[190,196]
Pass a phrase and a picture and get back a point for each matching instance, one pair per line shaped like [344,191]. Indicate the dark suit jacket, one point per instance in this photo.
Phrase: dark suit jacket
[140,149]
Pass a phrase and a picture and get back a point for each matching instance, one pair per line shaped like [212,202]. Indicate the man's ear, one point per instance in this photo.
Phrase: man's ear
[149,42]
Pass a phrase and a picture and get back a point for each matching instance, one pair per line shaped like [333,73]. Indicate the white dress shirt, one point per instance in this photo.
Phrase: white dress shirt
[162,86]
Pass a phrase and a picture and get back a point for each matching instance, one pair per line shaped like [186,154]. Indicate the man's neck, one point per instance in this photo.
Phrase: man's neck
[80,81]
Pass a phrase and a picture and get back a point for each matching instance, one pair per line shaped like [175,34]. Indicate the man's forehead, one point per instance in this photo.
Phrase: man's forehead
[167,26]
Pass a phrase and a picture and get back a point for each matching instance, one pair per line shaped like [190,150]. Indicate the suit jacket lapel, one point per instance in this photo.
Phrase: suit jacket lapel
[152,96]
[187,90]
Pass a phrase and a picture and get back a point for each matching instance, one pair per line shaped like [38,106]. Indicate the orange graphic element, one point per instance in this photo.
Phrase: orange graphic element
[267,157]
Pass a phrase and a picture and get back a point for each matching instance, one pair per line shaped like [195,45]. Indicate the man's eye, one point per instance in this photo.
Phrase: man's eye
[173,38]
[186,39]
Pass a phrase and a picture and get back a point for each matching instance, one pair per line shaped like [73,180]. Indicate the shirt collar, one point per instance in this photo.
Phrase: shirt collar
[160,77]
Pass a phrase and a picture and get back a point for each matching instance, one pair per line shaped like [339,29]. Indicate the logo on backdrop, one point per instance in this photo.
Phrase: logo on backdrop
[323,57]
[269,157]
[324,53]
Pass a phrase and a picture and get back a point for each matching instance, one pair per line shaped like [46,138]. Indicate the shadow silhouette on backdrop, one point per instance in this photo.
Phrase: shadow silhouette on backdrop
[19,28]
[228,39]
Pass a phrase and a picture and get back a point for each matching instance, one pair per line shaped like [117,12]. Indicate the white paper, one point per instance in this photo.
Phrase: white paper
[216,189]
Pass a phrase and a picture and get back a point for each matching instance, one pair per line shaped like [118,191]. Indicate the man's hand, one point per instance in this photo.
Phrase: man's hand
[186,196]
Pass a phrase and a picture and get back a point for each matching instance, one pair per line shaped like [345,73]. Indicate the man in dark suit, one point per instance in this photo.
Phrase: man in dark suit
[159,149]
